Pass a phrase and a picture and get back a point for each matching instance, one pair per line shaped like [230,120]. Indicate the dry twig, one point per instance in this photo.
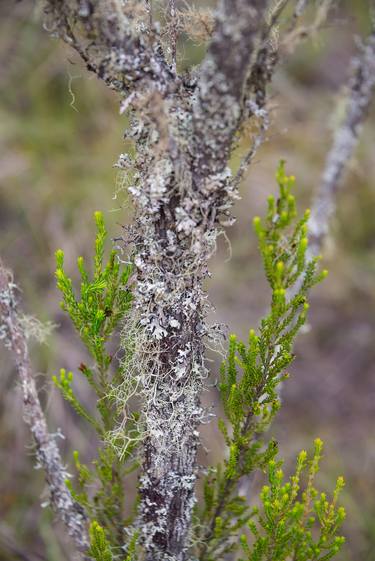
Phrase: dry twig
[47,453]
[361,88]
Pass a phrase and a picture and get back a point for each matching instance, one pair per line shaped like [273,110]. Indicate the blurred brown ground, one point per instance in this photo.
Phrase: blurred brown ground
[60,133]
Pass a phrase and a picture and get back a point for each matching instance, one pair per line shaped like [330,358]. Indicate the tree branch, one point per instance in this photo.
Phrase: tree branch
[265,62]
[47,453]
[172,13]
[219,105]
[361,90]
[104,33]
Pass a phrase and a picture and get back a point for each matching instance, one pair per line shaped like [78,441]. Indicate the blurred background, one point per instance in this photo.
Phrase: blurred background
[60,134]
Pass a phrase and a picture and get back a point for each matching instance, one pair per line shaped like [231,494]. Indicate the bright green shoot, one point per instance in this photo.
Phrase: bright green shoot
[97,310]
[295,522]
[253,371]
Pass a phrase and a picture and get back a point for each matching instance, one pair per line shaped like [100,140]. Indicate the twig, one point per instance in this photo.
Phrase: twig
[172,12]
[257,141]
[265,61]
[47,452]
[361,90]
[150,15]
[300,7]
[298,33]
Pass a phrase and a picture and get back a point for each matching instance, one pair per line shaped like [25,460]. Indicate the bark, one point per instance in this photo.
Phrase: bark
[179,207]
[47,452]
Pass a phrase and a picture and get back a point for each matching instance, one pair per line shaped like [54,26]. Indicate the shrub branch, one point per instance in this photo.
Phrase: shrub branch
[360,93]
[47,452]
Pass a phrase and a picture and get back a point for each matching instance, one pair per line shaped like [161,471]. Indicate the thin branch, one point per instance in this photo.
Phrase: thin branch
[298,33]
[218,108]
[272,50]
[257,141]
[47,452]
[300,7]
[150,14]
[265,60]
[172,12]
[234,76]
[361,90]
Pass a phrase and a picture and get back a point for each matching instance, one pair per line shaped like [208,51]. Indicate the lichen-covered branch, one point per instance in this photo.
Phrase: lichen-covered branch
[172,12]
[219,105]
[173,237]
[182,195]
[182,129]
[113,38]
[361,90]
[47,453]
[265,61]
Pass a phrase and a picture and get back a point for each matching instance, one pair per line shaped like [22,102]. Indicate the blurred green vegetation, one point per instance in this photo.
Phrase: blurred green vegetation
[60,134]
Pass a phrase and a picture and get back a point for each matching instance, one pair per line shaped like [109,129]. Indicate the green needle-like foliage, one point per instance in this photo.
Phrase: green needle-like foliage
[295,522]
[64,383]
[100,549]
[102,302]
[253,371]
